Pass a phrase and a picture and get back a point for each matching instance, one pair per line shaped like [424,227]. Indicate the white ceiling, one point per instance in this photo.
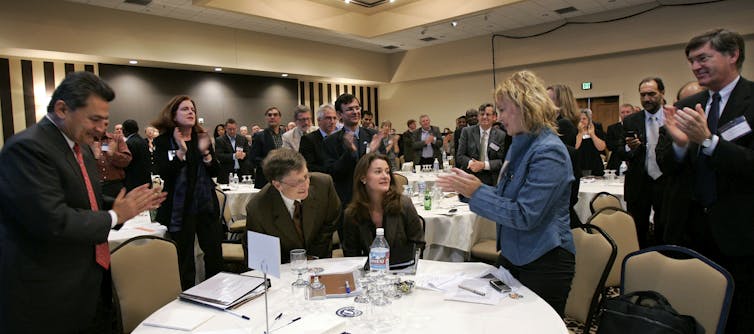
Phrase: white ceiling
[510,18]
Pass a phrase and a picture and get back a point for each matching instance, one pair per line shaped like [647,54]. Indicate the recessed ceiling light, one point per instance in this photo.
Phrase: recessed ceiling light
[348,1]
[133,62]
[391,1]
[284,75]
[218,69]
[454,23]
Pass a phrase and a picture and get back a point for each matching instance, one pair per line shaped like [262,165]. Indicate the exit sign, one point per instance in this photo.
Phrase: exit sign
[586,85]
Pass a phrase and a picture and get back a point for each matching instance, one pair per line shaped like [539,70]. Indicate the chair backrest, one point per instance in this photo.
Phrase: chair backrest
[693,285]
[595,255]
[225,216]
[145,277]
[400,181]
[604,200]
[619,225]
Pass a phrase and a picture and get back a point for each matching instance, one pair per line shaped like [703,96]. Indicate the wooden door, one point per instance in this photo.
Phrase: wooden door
[604,109]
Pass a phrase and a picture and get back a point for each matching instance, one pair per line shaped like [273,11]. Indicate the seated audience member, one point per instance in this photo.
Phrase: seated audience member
[377,203]
[300,208]
[389,144]
[590,144]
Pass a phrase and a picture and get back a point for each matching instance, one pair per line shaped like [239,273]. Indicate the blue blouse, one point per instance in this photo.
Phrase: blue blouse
[530,203]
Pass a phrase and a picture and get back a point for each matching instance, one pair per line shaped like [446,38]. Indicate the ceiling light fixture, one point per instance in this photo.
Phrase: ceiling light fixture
[348,1]
[391,1]
[454,24]
[284,75]
[218,69]
[133,62]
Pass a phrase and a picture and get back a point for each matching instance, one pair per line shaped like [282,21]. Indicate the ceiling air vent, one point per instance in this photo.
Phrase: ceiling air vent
[390,47]
[138,2]
[428,39]
[566,10]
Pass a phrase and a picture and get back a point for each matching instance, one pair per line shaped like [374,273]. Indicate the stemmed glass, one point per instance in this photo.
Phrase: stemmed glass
[299,265]
[363,285]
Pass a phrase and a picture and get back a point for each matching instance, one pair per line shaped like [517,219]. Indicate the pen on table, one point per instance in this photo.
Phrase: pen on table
[290,322]
[279,316]
[348,287]
[481,293]
[242,316]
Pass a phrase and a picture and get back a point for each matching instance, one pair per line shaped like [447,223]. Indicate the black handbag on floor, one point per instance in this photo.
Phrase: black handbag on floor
[645,312]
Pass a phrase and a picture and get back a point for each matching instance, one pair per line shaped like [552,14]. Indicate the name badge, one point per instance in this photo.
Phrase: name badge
[735,129]
[105,147]
[171,155]
[494,147]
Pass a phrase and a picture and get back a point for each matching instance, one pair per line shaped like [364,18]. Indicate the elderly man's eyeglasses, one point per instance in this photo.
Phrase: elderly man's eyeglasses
[298,183]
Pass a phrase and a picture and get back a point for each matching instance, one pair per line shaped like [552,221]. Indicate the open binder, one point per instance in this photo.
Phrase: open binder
[225,290]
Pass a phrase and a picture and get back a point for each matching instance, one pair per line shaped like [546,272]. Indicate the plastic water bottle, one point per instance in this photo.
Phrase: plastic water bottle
[427,200]
[379,253]
[436,166]
[444,157]
[623,168]
[422,187]
[234,181]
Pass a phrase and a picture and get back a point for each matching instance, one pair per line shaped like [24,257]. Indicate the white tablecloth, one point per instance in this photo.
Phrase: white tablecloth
[134,227]
[237,198]
[422,311]
[450,236]
[589,188]
[413,178]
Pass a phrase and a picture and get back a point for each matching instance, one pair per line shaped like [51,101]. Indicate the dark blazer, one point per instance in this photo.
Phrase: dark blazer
[138,170]
[636,185]
[731,214]
[613,140]
[567,131]
[266,213]
[261,144]
[468,148]
[312,148]
[169,170]
[407,146]
[340,162]
[49,280]
[418,144]
[225,152]
[400,231]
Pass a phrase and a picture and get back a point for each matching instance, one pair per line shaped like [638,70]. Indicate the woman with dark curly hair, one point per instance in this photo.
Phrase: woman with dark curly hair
[377,203]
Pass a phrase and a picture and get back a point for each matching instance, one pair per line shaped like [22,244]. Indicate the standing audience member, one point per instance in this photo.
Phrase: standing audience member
[377,203]
[112,155]
[568,113]
[265,141]
[367,120]
[615,138]
[427,144]
[311,146]
[481,150]
[185,161]
[54,221]
[151,133]
[688,89]
[232,152]
[719,163]
[300,208]
[407,141]
[530,204]
[289,127]
[471,119]
[389,144]
[303,117]
[139,170]
[590,145]
[645,184]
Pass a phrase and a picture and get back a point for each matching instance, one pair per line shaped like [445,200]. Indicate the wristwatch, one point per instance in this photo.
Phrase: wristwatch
[707,142]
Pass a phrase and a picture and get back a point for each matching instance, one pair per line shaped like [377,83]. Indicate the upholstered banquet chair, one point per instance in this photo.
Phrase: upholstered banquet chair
[693,285]
[604,200]
[595,255]
[145,277]
[619,225]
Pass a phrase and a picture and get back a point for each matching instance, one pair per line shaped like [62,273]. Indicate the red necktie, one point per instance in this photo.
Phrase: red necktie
[102,250]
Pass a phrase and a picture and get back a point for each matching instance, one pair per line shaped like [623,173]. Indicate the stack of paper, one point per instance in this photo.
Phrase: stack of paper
[180,319]
[225,290]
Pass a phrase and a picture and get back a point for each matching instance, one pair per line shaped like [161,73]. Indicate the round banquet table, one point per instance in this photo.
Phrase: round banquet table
[590,187]
[422,311]
[134,227]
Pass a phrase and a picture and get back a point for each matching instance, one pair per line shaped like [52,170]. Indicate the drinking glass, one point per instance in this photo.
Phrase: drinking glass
[417,168]
[363,284]
[407,190]
[298,261]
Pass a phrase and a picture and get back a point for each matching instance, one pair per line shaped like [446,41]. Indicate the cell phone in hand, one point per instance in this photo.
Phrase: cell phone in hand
[500,286]
[631,133]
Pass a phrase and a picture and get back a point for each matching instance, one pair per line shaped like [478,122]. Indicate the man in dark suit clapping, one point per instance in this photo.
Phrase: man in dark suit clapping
[311,146]
[232,151]
[54,256]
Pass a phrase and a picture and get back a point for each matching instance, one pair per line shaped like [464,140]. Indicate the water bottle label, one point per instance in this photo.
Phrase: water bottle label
[379,259]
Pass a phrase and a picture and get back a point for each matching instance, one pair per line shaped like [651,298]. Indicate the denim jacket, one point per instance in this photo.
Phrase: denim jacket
[530,203]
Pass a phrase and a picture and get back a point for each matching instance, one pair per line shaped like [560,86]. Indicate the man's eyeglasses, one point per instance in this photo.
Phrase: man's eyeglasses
[298,183]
